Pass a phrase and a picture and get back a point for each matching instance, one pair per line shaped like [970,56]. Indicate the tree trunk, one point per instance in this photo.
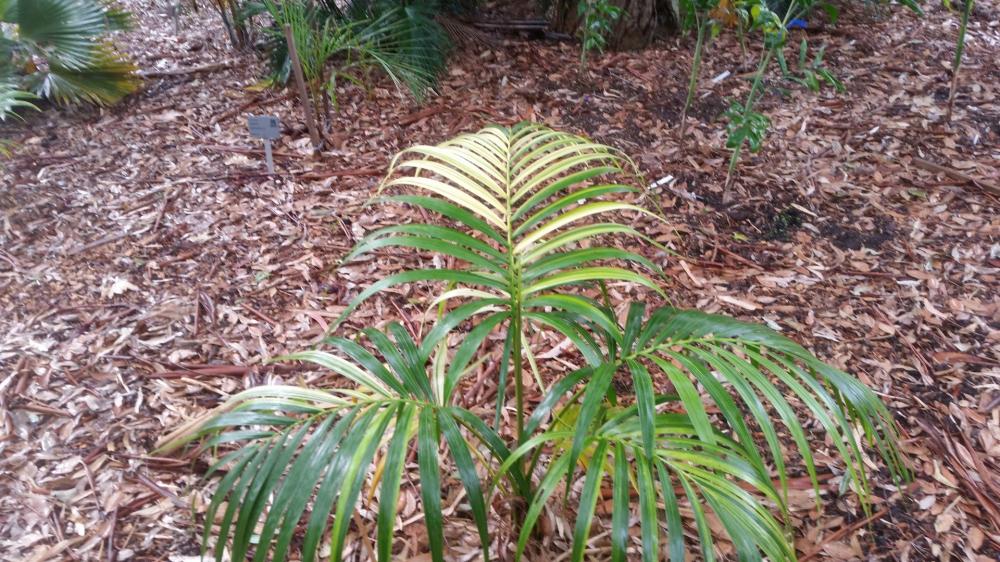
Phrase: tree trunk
[634,29]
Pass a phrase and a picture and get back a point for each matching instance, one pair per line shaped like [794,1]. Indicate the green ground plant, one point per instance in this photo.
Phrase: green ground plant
[696,16]
[748,127]
[809,74]
[597,19]
[527,215]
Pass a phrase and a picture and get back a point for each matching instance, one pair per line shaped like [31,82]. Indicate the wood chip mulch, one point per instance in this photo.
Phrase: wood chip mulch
[148,267]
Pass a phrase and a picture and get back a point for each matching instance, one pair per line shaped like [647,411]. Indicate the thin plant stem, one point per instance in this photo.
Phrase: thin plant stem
[956,65]
[751,98]
[743,40]
[583,40]
[695,67]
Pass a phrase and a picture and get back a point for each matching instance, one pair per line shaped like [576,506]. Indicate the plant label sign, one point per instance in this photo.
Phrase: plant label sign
[268,128]
[265,127]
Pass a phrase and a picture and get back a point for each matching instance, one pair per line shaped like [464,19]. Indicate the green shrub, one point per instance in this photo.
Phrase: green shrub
[338,43]
[527,213]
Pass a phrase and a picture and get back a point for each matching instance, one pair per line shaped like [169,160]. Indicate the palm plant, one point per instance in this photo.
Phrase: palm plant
[58,50]
[346,41]
[530,212]
[597,19]
[232,13]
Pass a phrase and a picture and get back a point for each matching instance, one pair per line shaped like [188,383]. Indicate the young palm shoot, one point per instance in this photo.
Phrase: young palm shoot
[959,51]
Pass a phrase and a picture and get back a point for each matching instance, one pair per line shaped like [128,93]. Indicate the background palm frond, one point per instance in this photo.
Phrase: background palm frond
[402,40]
[60,51]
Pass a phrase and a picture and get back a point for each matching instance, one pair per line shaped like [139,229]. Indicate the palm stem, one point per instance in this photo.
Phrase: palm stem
[517,358]
[743,40]
[959,51]
[695,66]
[516,318]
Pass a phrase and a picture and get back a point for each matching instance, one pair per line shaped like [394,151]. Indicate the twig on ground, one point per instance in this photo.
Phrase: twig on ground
[112,553]
[955,174]
[260,101]
[99,242]
[220,371]
[843,533]
[187,71]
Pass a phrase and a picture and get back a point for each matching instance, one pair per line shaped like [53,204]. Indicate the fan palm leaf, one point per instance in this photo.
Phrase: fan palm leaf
[62,31]
[103,82]
[12,98]
[61,44]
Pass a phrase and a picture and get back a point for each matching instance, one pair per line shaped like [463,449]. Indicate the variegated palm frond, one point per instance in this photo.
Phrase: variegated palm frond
[530,208]
[526,198]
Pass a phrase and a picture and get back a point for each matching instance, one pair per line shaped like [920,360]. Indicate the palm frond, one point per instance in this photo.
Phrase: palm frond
[528,201]
[408,44]
[679,464]
[68,35]
[312,451]
[105,81]
[65,32]
[756,379]
[12,98]
[405,42]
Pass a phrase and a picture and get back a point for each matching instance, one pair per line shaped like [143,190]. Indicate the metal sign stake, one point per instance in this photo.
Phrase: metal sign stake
[268,157]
